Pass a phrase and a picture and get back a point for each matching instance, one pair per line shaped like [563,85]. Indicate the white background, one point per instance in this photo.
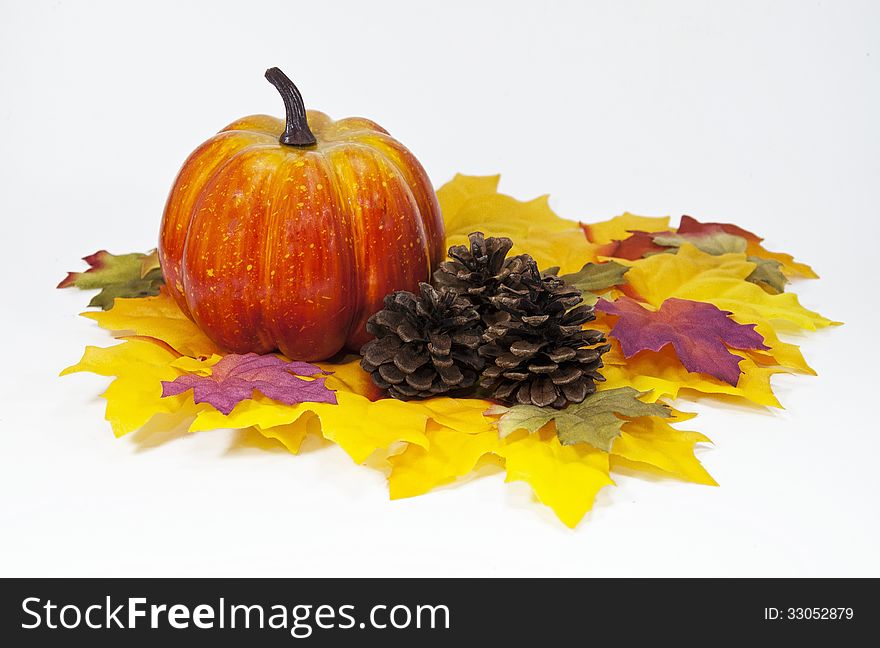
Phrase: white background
[760,113]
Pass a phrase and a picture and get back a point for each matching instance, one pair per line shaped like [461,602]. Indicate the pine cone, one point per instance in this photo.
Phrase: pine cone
[477,271]
[425,345]
[536,351]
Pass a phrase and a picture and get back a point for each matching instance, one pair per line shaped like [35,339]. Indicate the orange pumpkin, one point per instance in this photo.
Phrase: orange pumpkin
[288,235]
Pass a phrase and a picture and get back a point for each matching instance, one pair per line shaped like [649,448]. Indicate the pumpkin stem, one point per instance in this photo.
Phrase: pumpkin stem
[296,131]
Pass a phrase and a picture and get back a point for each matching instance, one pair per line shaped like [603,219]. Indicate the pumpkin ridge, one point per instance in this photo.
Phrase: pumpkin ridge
[416,178]
[355,270]
[203,196]
[368,304]
[171,239]
[275,227]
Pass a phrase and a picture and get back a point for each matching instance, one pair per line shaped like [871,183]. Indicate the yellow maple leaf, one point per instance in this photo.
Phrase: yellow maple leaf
[450,454]
[790,267]
[720,280]
[565,478]
[780,353]
[347,375]
[293,434]
[199,366]
[620,227]
[157,317]
[662,374]
[135,395]
[472,203]
[358,424]
[651,441]
[463,414]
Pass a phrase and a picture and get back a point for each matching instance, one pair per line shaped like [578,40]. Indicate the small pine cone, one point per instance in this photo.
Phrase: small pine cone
[536,350]
[476,271]
[425,344]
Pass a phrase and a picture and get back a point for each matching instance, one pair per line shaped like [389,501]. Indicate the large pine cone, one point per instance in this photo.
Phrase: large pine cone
[476,271]
[536,349]
[425,345]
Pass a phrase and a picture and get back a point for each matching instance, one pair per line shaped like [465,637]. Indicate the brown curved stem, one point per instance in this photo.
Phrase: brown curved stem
[296,131]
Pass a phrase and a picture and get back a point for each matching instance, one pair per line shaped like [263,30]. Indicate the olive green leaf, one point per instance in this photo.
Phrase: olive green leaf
[124,275]
[149,263]
[596,277]
[714,243]
[767,274]
[597,420]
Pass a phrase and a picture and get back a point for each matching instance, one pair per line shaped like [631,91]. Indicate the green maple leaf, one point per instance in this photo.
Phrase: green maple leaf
[124,275]
[713,243]
[596,420]
[767,274]
[595,277]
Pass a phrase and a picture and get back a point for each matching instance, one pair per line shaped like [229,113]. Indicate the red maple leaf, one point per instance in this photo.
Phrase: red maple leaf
[690,225]
[699,332]
[235,378]
[636,246]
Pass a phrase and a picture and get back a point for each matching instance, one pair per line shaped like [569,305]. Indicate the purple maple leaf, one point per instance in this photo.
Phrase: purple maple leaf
[699,332]
[235,378]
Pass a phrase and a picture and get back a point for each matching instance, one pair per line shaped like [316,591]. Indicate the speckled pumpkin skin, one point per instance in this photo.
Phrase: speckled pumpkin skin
[267,246]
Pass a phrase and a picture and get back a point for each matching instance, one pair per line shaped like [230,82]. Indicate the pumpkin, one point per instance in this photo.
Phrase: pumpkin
[288,234]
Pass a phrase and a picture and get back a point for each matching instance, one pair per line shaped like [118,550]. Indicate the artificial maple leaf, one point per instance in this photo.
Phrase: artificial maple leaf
[719,280]
[565,478]
[450,454]
[463,414]
[116,276]
[596,277]
[472,203]
[639,245]
[235,377]
[652,442]
[697,331]
[635,237]
[157,317]
[660,375]
[767,274]
[150,262]
[135,396]
[778,352]
[691,225]
[346,374]
[359,425]
[709,242]
[596,420]
[620,227]
[293,434]
[636,246]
